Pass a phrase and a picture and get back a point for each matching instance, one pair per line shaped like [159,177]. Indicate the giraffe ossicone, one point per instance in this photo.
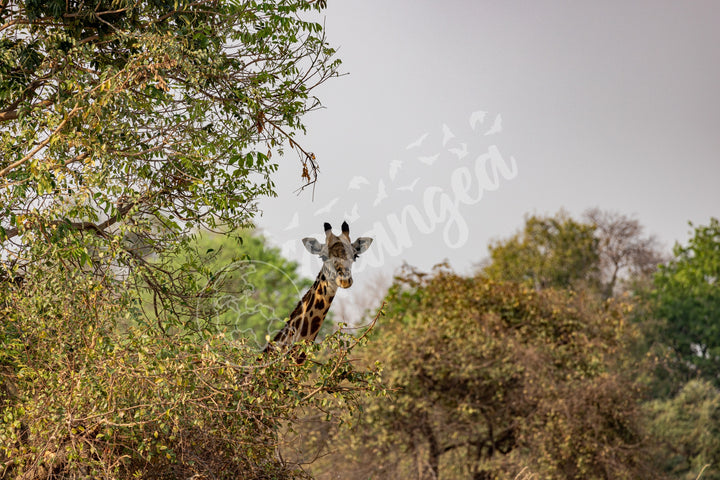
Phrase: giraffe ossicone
[338,254]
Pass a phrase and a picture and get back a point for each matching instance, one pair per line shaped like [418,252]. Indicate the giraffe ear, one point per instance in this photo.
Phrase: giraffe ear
[361,244]
[315,247]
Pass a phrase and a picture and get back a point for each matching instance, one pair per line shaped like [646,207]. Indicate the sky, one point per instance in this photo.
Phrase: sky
[458,118]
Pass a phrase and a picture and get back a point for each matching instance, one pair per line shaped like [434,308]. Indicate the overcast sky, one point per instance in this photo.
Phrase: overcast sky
[460,117]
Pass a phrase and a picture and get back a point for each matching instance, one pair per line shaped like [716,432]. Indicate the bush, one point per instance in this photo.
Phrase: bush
[489,379]
[688,427]
[82,398]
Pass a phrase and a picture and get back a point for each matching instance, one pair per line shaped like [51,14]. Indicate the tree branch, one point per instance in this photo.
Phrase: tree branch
[454,446]
[11,115]
[98,229]
[40,146]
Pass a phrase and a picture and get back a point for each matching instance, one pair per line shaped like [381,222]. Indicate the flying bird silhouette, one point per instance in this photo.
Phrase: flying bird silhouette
[475,117]
[417,142]
[447,134]
[357,182]
[459,152]
[394,168]
[294,222]
[496,126]
[381,194]
[353,215]
[327,207]
[409,188]
[429,160]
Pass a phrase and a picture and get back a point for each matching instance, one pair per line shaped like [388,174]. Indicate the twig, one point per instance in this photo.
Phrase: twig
[345,351]
[701,471]
[40,146]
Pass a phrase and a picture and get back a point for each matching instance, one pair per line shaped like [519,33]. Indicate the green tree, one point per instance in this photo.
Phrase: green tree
[606,252]
[126,124]
[256,286]
[688,427]
[124,127]
[489,379]
[687,299]
[549,252]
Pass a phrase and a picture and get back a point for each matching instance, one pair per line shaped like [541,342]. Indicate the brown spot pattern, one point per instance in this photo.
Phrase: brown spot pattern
[307,317]
[297,312]
[316,321]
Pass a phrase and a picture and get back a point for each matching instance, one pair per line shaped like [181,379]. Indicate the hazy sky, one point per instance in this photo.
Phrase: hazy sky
[611,104]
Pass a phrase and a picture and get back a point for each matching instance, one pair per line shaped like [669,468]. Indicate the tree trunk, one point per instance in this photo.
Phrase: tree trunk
[433,455]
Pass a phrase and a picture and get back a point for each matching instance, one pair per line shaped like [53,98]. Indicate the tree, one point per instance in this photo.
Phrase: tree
[549,252]
[558,251]
[624,253]
[688,427]
[126,124]
[256,287]
[489,379]
[687,299]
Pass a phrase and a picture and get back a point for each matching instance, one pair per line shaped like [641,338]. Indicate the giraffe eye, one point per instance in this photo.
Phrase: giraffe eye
[355,257]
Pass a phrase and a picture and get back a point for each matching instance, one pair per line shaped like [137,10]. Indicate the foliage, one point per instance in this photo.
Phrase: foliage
[606,252]
[80,399]
[687,298]
[489,378]
[256,286]
[549,252]
[124,127]
[126,124]
[688,427]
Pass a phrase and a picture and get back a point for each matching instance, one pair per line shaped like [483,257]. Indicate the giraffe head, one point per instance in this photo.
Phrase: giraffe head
[338,254]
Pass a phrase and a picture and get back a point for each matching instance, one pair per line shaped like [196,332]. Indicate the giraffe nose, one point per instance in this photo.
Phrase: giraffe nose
[344,279]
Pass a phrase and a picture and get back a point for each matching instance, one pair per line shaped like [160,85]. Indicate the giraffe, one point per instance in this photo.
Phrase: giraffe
[338,254]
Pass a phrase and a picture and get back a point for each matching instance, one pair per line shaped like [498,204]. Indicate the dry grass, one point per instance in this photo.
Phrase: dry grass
[525,474]
[701,471]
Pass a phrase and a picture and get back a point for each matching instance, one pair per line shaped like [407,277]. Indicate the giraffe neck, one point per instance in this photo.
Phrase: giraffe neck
[307,318]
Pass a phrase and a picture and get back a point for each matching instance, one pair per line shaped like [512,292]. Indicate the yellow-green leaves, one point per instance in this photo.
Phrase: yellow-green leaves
[139,111]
